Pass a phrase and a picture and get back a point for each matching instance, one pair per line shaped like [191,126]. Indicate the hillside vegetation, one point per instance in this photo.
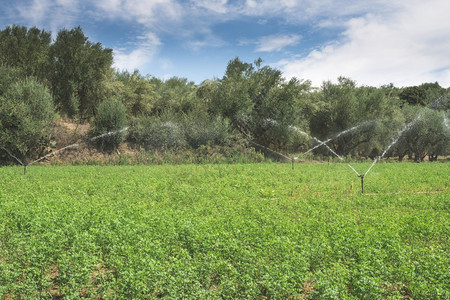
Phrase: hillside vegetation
[44,82]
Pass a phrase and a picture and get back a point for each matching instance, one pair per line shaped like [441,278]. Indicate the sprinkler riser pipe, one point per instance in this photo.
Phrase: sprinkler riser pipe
[362,183]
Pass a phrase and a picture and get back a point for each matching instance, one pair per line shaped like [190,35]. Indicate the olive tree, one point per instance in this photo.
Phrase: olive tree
[26,113]
[110,124]
[258,101]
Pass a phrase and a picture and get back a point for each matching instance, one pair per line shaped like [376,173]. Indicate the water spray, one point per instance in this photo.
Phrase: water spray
[18,160]
[446,122]
[108,134]
[394,141]
[53,153]
[337,155]
[10,154]
[62,149]
[324,143]
[271,151]
[320,143]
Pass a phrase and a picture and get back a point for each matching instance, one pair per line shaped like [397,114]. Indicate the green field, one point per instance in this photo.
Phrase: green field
[226,231]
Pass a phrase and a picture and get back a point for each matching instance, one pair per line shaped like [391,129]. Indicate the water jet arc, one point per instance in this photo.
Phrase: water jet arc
[61,149]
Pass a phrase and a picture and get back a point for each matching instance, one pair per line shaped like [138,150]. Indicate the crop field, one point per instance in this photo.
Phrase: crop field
[225,231]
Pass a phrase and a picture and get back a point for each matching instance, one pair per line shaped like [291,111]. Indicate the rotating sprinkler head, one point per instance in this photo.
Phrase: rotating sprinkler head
[293,160]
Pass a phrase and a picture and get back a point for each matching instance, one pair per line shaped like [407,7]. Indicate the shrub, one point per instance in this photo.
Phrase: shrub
[156,133]
[206,131]
[8,76]
[26,112]
[110,124]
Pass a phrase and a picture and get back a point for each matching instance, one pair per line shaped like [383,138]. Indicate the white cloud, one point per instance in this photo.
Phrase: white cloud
[407,47]
[272,43]
[148,13]
[404,41]
[300,11]
[34,12]
[143,54]
[51,15]
[165,63]
[131,61]
[216,6]
[209,41]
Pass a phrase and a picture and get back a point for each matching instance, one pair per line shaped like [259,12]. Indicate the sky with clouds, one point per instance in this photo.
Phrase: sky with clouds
[374,42]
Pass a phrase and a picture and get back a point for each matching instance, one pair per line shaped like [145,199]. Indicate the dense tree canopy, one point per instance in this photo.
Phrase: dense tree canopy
[79,70]
[26,49]
[258,101]
[251,102]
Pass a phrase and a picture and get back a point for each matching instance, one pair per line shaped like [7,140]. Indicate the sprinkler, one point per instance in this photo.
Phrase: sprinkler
[59,150]
[293,161]
[362,183]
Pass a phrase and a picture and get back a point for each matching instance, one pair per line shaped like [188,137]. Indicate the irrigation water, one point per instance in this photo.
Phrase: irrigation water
[320,143]
[323,143]
[361,176]
[75,145]
[394,141]
[338,135]
[10,154]
[292,159]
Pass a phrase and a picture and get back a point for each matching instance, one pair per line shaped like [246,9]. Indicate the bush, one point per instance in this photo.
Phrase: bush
[26,112]
[156,133]
[8,76]
[110,124]
[205,131]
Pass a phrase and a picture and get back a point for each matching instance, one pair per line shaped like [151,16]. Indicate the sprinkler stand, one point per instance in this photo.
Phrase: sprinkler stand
[362,183]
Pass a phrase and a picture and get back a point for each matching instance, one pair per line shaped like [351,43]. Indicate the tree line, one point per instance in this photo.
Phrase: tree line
[73,77]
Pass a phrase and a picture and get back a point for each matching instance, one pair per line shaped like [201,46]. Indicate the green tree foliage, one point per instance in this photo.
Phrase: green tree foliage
[150,96]
[26,49]
[257,100]
[381,107]
[26,112]
[137,92]
[229,97]
[414,95]
[342,106]
[80,68]
[424,94]
[337,108]
[250,100]
[201,129]
[8,76]
[109,123]
[175,95]
[157,132]
[426,134]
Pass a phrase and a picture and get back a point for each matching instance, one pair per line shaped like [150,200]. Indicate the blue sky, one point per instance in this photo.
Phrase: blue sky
[374,42]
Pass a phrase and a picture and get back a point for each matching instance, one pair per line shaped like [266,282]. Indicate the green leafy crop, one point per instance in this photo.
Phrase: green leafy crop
[225,231]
